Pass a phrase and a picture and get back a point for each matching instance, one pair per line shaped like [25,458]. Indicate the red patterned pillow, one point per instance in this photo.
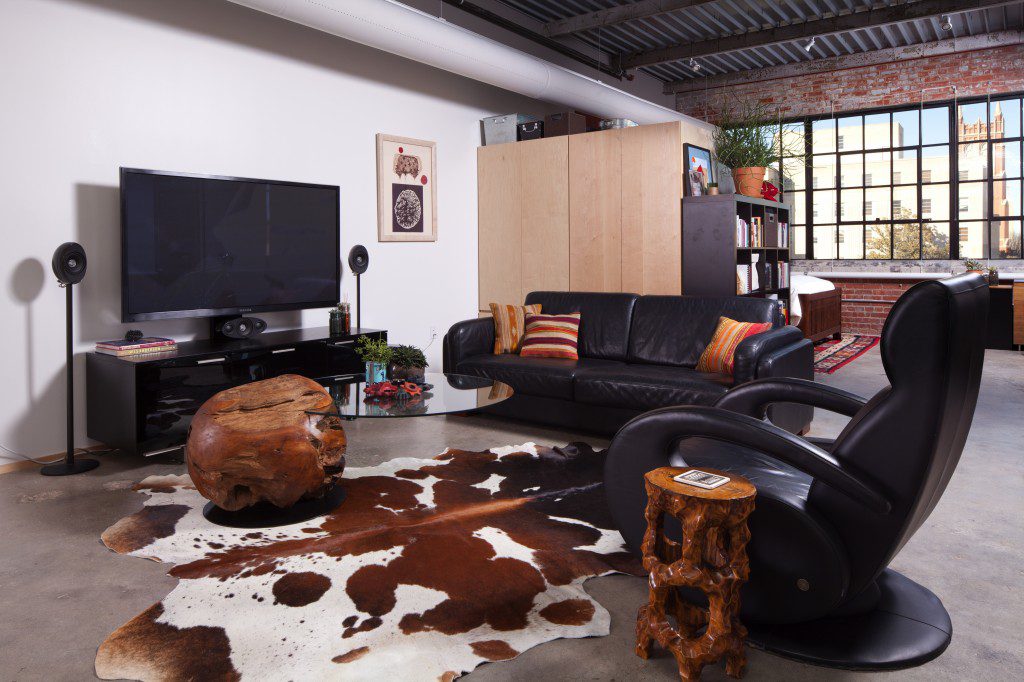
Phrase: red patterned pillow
[718,356]
[551,336]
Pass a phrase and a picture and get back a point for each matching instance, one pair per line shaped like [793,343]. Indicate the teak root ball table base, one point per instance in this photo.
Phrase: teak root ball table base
[711,557]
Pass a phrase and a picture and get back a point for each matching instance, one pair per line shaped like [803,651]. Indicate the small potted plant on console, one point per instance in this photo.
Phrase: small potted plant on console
[407,364]
[376,353]
[975,266]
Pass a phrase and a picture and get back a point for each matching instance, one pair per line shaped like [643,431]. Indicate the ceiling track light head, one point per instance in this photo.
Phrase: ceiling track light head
[694,64]
[810,44]
[947,23]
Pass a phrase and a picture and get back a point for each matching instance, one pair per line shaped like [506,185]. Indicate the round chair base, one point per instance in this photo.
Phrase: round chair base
[266,515]
[908,627]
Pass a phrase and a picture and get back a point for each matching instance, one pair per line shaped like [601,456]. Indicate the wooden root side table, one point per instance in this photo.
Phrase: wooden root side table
[712,557]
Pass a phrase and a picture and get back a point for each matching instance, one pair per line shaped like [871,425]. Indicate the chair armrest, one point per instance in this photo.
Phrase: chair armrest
[754,398]
[656,433]
[751,349]
[465,339]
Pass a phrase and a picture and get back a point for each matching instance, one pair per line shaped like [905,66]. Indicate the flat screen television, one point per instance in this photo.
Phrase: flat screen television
[205,245]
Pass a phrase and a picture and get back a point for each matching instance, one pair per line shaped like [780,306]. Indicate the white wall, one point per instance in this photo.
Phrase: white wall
[206,86]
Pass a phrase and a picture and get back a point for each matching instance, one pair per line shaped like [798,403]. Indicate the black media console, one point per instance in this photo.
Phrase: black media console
[144,404]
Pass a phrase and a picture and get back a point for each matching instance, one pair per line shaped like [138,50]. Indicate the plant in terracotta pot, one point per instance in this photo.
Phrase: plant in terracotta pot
[975,266]
[407,363]
[376,353]
[712,188]
[747,140]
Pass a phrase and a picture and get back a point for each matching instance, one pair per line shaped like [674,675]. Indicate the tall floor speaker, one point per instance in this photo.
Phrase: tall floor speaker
[69,267]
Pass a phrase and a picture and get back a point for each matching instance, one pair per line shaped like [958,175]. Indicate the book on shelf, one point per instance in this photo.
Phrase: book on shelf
[748,279]
[742,233]
[756,231]
[783,235]
[147,344]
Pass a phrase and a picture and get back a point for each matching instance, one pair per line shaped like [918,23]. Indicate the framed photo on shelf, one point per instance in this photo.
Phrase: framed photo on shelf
[696,183]
[698,166]
[406,189]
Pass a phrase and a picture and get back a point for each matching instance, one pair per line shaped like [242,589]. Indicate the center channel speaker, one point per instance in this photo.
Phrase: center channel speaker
[242,327]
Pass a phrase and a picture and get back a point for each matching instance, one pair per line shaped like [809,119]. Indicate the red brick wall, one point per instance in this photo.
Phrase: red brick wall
[981,72]
[866,303]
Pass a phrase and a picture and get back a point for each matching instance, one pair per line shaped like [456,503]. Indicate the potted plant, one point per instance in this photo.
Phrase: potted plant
[376,353]
[993,277]
[747,140]
[407,363]
[974,266]
[712,188]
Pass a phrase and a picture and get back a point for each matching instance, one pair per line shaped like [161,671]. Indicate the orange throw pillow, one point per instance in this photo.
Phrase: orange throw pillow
[718,356]
[509,326]
[551,336]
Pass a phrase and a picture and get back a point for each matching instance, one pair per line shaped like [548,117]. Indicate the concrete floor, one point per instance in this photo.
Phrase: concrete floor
[62,592]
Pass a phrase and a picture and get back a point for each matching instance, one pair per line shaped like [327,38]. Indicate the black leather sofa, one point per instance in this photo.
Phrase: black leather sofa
[637,353]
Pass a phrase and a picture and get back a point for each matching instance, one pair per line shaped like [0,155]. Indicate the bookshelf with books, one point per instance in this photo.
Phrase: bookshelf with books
[734,245]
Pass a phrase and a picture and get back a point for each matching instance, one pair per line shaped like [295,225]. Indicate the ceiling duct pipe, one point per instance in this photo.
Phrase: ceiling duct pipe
[407,32]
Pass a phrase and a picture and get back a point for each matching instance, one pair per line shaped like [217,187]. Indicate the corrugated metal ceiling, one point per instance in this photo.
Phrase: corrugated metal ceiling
[733,17]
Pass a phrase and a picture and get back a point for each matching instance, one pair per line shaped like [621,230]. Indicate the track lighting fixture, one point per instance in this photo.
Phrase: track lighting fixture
[694,65]
[947,23]
[810,44]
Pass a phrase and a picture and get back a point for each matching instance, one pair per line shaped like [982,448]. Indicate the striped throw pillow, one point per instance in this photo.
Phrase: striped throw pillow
[551,336]
[718,356]
[509,325]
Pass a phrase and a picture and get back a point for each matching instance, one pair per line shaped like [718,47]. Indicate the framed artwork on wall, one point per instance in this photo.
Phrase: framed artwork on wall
[406,189]
[698,167]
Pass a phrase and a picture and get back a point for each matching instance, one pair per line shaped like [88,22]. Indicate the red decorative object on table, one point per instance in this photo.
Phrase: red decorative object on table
[769,191]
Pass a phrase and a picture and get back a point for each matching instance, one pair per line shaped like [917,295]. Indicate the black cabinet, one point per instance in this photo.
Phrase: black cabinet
[144,404]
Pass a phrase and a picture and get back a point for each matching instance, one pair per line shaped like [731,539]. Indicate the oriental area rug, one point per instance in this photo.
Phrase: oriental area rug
[429,568]
[832,355]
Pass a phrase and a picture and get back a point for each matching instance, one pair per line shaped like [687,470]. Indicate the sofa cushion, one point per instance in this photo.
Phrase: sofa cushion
[551,336]
[550,377]
[605,322]
[674,330]
[647,387]
[510,325]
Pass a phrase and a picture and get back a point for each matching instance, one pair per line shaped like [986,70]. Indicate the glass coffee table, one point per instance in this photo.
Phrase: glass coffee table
[449,394]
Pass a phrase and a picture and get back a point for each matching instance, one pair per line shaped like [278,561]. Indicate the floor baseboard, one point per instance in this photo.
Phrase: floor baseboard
[11,467]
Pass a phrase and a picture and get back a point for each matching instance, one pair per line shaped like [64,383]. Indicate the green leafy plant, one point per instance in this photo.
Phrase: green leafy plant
[408,356]
[747,137]
[374,350]
[712,184]
[972,264]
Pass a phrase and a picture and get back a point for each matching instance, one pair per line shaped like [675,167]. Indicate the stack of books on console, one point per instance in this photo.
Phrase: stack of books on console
[147,344]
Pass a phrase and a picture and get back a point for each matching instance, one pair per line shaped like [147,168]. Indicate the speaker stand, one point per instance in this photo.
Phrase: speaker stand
[70,465]
[359,307]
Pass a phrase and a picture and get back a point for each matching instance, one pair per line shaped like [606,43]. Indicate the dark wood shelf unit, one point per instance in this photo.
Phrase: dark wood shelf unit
[145,403]
[711,252]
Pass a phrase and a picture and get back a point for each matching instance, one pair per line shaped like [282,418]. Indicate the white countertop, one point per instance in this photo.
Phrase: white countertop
[852,274]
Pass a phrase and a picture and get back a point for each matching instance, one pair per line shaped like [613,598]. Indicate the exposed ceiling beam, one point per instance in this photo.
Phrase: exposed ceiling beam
[617,15]
[876,16]
[854,61]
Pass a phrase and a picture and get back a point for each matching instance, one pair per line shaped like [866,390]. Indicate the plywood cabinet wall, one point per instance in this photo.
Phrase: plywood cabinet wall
[523,210]
[592,212]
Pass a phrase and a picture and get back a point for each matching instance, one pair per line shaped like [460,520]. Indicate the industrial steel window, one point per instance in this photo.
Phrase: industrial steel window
[877,185]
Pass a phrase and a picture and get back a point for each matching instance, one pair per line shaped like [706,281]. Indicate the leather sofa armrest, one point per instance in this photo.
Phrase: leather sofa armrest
[465,339]
[752,349]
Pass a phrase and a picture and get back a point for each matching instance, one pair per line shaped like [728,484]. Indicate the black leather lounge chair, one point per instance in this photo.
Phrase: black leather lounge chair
[829,517]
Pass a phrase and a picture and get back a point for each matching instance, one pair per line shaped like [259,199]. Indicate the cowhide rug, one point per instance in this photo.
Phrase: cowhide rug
[428,568]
